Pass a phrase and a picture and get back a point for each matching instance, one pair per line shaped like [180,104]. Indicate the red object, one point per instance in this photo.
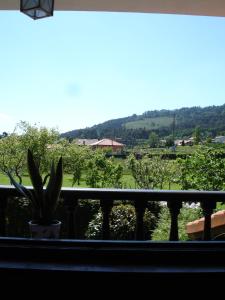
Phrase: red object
[195,228]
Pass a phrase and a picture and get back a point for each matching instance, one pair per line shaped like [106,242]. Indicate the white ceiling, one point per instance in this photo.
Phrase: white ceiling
[191,7]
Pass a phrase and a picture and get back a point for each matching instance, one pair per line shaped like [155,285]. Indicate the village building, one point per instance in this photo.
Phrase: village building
[183,142]
[107,143]
[219,139]
[86,142]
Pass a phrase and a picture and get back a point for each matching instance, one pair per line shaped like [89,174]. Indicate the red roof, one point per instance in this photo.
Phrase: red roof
[107,142]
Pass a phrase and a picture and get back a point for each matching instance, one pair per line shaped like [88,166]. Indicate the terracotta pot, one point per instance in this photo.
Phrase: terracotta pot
[195,228]
[45,231]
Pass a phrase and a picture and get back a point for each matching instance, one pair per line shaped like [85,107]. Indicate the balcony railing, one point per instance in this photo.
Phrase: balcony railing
[140,198]
[74,260]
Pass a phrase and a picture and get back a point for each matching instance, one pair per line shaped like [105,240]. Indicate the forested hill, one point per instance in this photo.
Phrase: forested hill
[211,121]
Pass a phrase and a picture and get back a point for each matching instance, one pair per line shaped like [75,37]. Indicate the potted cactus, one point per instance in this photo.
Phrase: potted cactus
[43,200]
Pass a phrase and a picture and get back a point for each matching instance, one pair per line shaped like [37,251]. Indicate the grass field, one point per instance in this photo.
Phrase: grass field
[153,123]
[179,150]
[127,182]
[67,180]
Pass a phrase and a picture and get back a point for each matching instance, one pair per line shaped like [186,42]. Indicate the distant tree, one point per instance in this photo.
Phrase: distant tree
[75,161]
[102,172]
[3,135]
[39,141]
[149,173]
[197,135]
[208,140]
[204,170]
[12,156]
[153,140]
[169,141]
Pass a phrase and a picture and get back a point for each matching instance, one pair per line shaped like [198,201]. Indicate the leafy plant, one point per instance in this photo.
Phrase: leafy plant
[122,223]
[204,170]
[187,214]
[103,172]
[43,200]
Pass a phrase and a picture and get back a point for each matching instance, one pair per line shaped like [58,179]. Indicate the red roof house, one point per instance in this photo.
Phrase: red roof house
[107,143]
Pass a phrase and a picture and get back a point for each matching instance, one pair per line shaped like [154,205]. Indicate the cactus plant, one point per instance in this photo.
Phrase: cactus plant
[43,200]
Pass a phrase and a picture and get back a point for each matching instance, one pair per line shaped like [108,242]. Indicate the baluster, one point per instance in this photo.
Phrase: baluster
[140,206]
[207,207]
[106,206]
[174,207]
[3,205]
[71,204]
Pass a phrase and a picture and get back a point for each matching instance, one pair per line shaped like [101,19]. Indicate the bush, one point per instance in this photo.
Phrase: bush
[187,214]
[84,213]
[18,215]
[122,224]
[204,170]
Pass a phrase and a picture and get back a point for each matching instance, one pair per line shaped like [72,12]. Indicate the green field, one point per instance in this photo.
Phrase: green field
[127,182]
[179,150]
[153,123]
[67,180]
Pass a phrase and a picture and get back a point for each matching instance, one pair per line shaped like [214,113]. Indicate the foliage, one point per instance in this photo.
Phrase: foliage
[204,170]
[3,135]
[197,135]
[150,123]
[86,211]
[144,171]
[122,223]
[187,214]
[13,148]
[153,140]
[208,140]
[43,201]
[18,211]
[74,158]
[11,155]
[169,141]
[103,172]
[39,141]
[150,172]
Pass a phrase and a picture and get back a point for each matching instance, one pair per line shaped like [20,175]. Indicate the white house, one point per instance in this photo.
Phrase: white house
[219,139]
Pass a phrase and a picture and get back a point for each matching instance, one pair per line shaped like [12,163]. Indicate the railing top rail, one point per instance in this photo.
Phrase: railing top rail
[132,194]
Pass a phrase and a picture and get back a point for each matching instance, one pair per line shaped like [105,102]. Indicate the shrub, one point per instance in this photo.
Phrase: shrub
[18,214]
[162,230]
[122,223]
[204,170]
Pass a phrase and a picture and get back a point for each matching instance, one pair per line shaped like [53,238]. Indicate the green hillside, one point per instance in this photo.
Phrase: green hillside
[182,122]
[150,123]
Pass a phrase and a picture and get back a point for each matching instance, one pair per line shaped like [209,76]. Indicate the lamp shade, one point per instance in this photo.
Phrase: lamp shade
[37,9]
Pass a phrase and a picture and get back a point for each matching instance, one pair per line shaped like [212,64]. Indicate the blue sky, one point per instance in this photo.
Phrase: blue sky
[78,69]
